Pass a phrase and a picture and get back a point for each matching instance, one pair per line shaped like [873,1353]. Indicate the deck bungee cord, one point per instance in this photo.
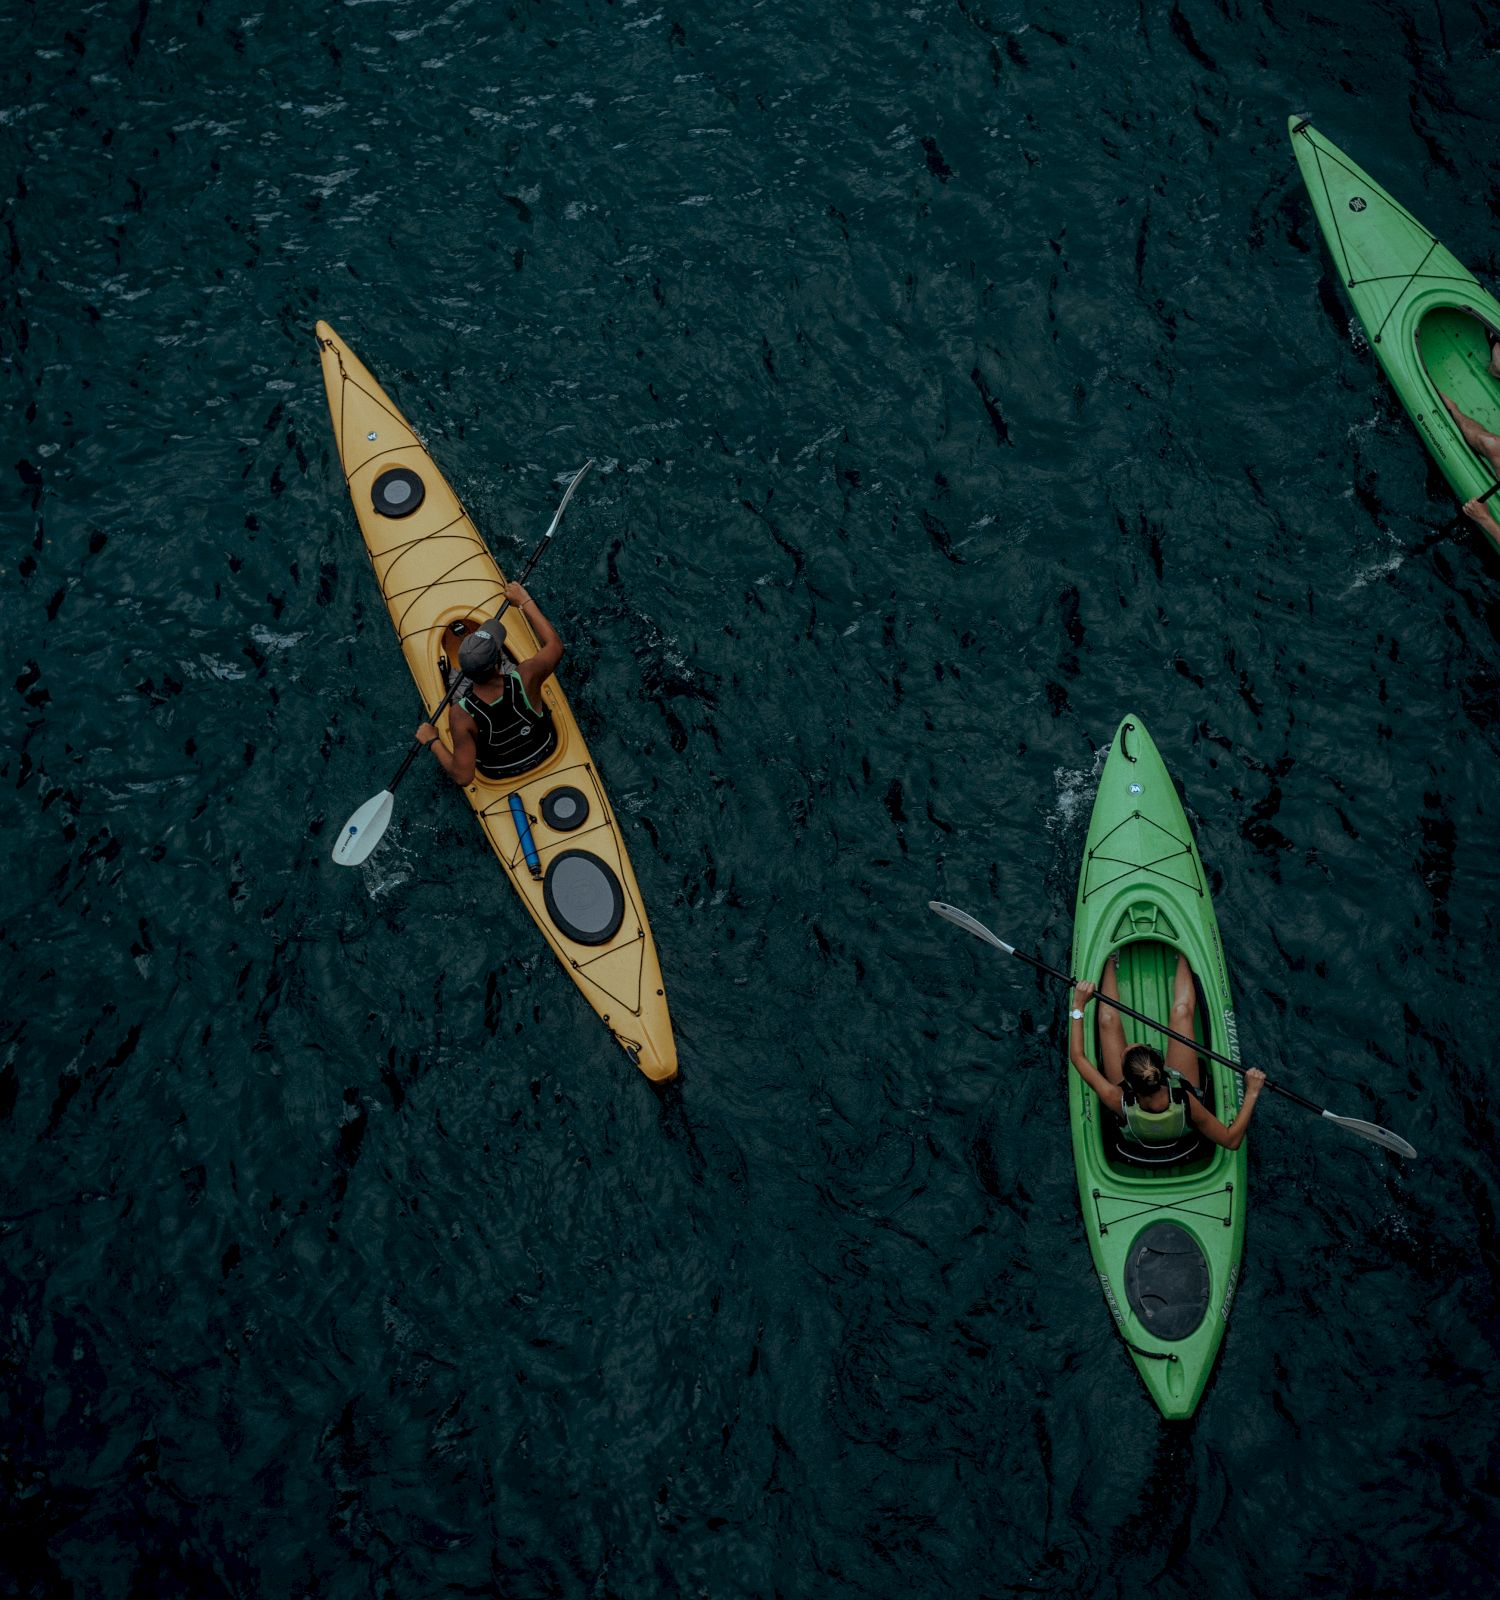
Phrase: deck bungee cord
[1322,152]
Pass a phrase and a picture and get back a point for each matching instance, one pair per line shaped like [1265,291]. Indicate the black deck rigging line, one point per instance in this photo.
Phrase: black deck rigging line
[417,633]
[1183,849]
[1151,821]
[396,551]
[444,577]
[1321,154]
[418,589]
[1149,1206]
[1400,297]
[1325,151]
[1427,277]
[376,401]
[1318,157]
[1139,866]
[492,813]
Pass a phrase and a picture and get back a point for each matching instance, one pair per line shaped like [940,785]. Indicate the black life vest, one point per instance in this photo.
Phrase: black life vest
[511,734]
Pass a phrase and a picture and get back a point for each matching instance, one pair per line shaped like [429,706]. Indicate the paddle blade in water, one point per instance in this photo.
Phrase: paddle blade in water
[1374,1133]
[361,833]
[969,924]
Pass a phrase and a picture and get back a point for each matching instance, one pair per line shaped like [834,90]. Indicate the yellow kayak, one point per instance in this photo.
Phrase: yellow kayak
[552,828]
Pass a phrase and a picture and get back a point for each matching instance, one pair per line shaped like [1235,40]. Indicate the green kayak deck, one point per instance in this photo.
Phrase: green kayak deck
[1166,1239]
[1428,318]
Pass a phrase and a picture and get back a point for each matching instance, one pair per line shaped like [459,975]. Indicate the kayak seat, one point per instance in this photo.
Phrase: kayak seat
[1135,1154]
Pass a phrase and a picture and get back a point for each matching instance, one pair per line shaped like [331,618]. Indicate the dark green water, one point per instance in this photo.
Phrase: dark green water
[962,376]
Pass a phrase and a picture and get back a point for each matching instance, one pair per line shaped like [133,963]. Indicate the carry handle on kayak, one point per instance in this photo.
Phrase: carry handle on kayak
[1366,1130]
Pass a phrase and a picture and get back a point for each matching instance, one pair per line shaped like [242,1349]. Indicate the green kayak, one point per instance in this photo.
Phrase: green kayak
[1428,318]
[1166,1237]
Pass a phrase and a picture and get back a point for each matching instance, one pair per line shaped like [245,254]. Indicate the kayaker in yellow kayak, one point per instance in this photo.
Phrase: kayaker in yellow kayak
[1156,1100]
[499,724]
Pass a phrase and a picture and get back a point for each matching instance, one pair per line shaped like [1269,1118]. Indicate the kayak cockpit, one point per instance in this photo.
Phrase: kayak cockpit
[1454,345]
[1145,971]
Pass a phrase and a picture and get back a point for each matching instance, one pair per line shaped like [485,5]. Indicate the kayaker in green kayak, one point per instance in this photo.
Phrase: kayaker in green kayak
[1479,439]
[1486,446]
[1477,511]
[1156,1099]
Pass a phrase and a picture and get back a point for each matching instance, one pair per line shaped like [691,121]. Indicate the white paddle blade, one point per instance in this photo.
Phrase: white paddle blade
[577,479]
[361,833]
[969,924]
[1375,1134]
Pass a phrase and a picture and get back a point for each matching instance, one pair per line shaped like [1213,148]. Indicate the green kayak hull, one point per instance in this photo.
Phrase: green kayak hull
[1166,1241]
[1427,316]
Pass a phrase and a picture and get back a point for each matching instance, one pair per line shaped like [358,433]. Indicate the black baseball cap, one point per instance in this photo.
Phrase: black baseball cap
[481,652]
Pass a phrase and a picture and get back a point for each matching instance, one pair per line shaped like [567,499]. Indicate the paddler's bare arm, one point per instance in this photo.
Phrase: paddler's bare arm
[535,670]
[458,762]
[1233,1136]
[1109,1093]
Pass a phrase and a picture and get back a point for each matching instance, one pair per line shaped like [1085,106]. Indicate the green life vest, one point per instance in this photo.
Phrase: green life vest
[1156,1127]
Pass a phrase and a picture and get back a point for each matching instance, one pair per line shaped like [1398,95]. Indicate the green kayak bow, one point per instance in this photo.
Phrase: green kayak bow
[1429,320]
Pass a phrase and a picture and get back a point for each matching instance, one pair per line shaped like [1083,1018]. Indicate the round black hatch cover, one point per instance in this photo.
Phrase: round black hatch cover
[583,897]
[565,809]
[397,492]
[1166,1280]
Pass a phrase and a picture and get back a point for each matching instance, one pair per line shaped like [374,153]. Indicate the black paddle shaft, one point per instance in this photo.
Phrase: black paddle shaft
[458,682]
[1171,1033]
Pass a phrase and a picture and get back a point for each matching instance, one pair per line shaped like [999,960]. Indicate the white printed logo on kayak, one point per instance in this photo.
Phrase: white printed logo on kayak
[1234,1283]
[1109,1295]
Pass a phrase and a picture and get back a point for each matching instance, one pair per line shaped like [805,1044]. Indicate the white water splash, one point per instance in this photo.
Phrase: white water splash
[1076,787]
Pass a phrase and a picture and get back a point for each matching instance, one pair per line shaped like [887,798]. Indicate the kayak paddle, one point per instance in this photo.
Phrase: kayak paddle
[1365,1130]
[362,832]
